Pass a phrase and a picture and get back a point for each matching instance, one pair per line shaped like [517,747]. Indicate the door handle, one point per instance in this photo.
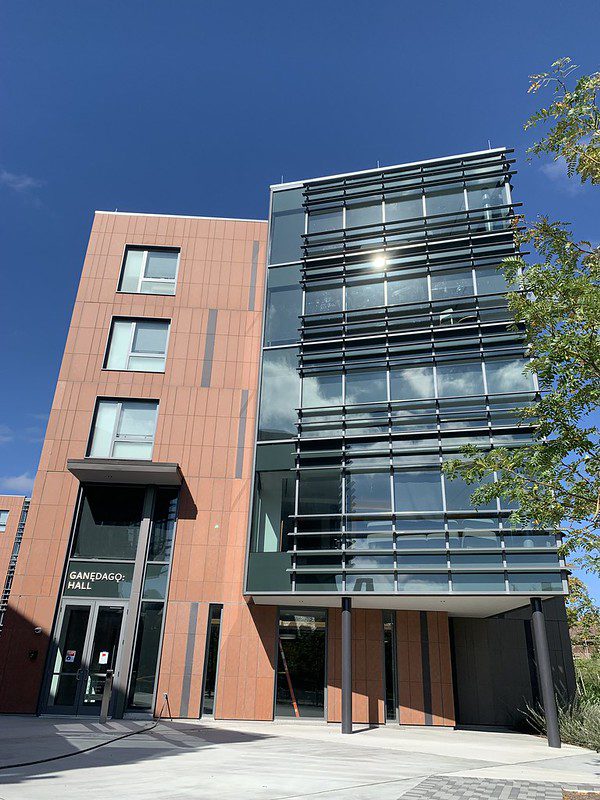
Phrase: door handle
[79,673]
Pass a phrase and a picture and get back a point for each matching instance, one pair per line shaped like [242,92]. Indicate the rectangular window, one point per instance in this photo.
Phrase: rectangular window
[323,300]
[368,492]
[320,492]
[3,520]
[389,651]
[327,219]
[404,206]
[364,295]
[211,660]
[366,387]
[284,306]
[138,345]
[508,376]
[367,212]
[273,504]
[124,429]
[460,380]
[448,285]
[287,226]
[149,270]
[535,582]
[422,582]
[417,491]
[409,289]
[301,646]
[458,495]
[109,522]
[478,582]
[321,390]
[280,394]
[145,658]
[411,383]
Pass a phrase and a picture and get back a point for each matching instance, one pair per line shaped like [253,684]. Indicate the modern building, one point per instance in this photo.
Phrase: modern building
[240,507]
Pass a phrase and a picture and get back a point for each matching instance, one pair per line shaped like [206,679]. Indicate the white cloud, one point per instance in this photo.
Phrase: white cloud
[21,484]
[6,434]
[18,183]
[557,172]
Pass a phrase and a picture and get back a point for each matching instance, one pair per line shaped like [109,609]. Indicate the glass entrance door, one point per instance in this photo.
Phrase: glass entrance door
[87,646]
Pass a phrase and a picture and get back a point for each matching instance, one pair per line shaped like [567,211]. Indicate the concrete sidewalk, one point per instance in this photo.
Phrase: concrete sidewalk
[281,761]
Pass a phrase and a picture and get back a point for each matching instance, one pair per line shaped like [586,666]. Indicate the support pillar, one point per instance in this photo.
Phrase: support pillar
[544,668]
[346,665]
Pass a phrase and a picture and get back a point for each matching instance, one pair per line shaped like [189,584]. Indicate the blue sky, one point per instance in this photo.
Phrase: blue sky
[193,107]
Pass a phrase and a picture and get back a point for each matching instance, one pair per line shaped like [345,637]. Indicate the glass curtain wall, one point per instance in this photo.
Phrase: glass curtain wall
[405,350]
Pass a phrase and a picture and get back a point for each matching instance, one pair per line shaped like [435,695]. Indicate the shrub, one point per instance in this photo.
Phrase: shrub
[578,720]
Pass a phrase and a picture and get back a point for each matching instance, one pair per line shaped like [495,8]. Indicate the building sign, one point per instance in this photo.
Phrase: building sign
[98,579]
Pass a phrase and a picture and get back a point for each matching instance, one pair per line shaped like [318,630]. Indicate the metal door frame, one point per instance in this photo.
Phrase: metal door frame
[94,604]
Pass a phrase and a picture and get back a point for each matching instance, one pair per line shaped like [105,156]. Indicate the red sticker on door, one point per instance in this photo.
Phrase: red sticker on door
[103,657]
[70,656]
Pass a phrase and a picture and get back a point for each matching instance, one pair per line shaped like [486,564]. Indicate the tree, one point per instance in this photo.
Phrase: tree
[582,614]
[555,479]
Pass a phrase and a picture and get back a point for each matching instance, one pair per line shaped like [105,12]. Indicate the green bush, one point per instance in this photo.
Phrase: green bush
[588,678]
[579,722]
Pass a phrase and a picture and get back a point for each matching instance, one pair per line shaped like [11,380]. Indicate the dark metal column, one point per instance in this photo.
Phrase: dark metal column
[346,665]
[544,668]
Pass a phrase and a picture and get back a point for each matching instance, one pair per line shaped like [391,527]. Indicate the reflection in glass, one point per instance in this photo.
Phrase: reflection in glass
[145,659]
[368,492]
[301,663]
[417,490]
[422,560]
[366,387]
[369,583]
[481,560]
[273,505]
[280,394]
[155,585]
[535,582]
[490,280]
[364,295]
[458,495]
[407,290]
[409,383]
[211,661]
[64,683]
[323,301]
[506,375]
[425,582]
[284,305]
[532,560]
[287,226]
[429,541]
[447,285]
[364,213]
[529,539]
[460,380]
[322,390]
[328,219]
[403,206]
[163,525]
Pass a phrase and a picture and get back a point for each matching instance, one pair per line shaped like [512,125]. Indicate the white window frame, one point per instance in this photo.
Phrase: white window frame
[142,277]
[115,437]
[130,352]
[3,520]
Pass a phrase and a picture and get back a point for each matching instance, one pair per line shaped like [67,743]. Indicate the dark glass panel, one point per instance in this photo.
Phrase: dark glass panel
[284,306]
[447,285]
[280,394]
[211,661]
[64,683]
[422,560]
[301,663]
[320,492]
[364,295]
[163,525]
[389,651]
[475,559]
[478,582]
[145,659]
[530,539]
[109,523]
[361,561]
[323,301]
[287,226]
[458,495]
[532,560]
[155,585]
[318,583]
[327,219]
[273,505]
[490,280]
[103,657]
[363,213]
[429,541]
[321,390]
[407,290]
[403,205]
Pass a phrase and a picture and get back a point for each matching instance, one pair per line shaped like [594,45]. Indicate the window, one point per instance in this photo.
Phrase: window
[407,290]
[458,495]
[138,345]
[404,205]
[287,226]
[446,285]
[460,380]
[363,213]
[124,429]
[450,201]
[149,271]
[508,376]
[301,646]
[3,520]
[273,504]
[368,492]
[328,219]
[280,394]
[366,387]
[321,390]
[411,383]
[364,295]
[320,492]
[490,280]
[323,301]
[109,523]
[417,491]
[284,306]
